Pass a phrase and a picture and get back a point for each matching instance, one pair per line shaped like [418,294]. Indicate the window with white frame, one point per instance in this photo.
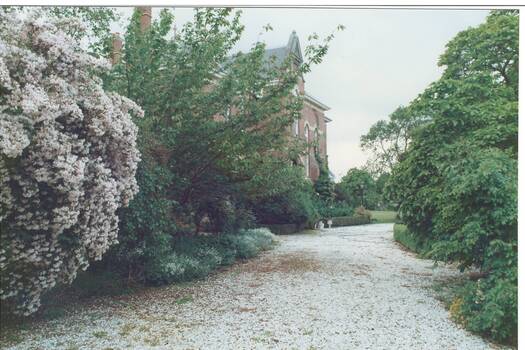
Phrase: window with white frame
[307,157]
[307,133]
[295,127]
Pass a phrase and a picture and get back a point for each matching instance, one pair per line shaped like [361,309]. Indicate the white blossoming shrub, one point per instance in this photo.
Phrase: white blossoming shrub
[67,159]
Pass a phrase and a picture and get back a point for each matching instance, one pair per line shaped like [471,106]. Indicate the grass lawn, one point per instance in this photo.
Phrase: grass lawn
[383,216]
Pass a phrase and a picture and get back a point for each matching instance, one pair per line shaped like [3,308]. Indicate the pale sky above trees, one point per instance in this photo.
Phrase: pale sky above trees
[383,59]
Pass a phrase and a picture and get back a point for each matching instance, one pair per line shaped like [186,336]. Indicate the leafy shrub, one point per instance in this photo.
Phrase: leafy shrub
[357,187]
[196,257]
[329,210]
[291,207]
[146,225]
[408,239]
[350,220]
[286,229]
[457,182]
[384,216]
[490,306]
[95,282]
[67,158]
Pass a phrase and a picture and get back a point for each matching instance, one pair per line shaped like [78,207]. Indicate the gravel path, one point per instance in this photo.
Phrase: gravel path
[346,288]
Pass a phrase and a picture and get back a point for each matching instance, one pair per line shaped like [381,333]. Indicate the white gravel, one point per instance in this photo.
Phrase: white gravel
[345,288]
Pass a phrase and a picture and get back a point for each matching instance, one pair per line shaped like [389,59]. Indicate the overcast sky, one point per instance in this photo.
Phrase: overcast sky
[383,59]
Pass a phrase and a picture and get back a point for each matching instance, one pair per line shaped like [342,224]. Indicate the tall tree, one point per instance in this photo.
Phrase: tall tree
[214,124]
[387,140]
[457,182]
[210,150]
[357,188]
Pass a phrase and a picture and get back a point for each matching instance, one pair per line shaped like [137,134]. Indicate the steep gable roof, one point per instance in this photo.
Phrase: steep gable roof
[280,54]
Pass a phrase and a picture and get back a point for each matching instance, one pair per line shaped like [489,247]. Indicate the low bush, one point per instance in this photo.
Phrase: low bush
[350,220]
[285,229]
[333,210]
[409,240]
[196,257]
[489,305]
[384,216]
[293,207]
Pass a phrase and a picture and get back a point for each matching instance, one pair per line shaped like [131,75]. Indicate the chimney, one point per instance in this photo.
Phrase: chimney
[145,17]
[116,48]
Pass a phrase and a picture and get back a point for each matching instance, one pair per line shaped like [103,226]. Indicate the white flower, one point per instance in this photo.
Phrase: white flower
[68,158]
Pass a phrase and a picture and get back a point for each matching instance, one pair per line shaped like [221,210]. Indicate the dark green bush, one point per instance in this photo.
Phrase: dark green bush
[327,211]
[196,257]
[350,220]
[456,185]
[285,229]
[408,239]
[385,216]
[356,188]
[295,207]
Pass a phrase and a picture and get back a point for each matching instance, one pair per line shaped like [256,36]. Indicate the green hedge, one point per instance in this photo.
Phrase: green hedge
[384,216]
[350,220]
[408,240]
[285,229]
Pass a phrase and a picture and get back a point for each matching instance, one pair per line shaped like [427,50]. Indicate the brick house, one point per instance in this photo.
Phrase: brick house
[311,126]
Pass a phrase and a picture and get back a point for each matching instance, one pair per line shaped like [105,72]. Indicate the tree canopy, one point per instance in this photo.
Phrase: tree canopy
[215,137]
[456,184]
[358,188]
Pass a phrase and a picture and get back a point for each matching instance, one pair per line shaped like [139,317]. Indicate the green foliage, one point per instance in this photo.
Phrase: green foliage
[212,128]
[412,242]
[147,225]
[456,185]
[359,216]
[350,220]
[477,206]
[324,186]
[490,305]
[196,257]
[293,206]
[213,125]
[220,162]
[335,209]
[325,190]
[383,216]
[357,188]
[388,140]
[97,281]
[383,202]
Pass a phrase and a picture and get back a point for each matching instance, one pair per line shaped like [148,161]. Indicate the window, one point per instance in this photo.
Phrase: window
[317,140]
[307,133]
[307,157]
[307,164]
[295,127]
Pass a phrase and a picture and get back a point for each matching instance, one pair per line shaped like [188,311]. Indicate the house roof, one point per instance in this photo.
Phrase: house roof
[281,53]
[316,102]
[293,48]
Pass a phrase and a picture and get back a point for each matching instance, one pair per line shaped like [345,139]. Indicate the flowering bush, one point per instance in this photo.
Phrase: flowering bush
[67,158]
